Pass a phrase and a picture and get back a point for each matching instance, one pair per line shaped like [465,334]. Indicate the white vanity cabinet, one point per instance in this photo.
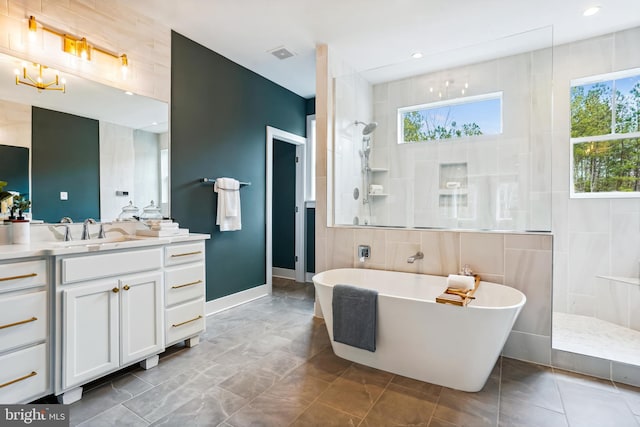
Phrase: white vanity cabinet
[111,309]
[24,330]
[185,287]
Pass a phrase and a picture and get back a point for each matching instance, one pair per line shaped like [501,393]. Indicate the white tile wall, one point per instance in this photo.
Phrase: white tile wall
[525,161]
[117,169]
[15,124]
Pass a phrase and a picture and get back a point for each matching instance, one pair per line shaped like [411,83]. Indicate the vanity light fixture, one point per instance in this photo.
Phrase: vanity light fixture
[78,46]
[39,83]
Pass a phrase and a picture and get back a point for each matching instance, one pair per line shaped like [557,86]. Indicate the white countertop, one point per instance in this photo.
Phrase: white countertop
[53,248]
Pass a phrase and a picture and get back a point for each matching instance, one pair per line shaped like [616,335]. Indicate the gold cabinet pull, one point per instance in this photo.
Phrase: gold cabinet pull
[32,374]
[24,276]
[186,284]
[126,287]
[186,254]
[22,322]
[115,290]
[175,325]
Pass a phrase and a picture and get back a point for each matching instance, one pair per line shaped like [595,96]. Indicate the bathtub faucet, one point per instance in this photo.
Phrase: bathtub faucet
[412,258]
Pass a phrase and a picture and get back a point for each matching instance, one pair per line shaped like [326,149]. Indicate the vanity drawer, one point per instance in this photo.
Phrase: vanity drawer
[184,321]
[184,283]
[21,275]
[183,253]
[23,319]
[23,375]
[89,267]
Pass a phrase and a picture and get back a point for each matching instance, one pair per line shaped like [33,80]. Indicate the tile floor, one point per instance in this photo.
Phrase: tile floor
[269,363]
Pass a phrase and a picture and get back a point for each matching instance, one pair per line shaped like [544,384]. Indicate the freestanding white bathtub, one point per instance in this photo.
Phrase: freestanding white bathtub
[416,337]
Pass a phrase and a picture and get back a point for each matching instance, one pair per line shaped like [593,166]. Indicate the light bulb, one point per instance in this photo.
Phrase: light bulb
[16,72]
[462,91]
[416,55]
[430,89]
[64,81]
[466,85]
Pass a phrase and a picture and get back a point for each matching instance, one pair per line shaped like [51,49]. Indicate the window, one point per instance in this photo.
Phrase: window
[456,118]
[605,135]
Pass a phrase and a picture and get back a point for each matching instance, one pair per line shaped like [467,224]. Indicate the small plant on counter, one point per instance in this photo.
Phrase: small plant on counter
[20,204]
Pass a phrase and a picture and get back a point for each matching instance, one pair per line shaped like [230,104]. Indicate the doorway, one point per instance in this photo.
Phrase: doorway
[288,147]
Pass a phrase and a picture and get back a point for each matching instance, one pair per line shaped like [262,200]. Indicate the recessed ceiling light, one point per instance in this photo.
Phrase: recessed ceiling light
[416,55]
[591,11]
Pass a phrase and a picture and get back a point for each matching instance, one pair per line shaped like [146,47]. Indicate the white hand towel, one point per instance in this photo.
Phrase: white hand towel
[228,213]
[464,283]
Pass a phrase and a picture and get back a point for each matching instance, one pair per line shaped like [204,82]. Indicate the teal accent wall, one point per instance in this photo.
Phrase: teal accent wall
[14,168]
[219,114]
[65,156]
[284,205]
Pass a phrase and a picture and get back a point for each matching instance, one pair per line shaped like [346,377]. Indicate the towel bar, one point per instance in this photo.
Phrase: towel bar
[210,180]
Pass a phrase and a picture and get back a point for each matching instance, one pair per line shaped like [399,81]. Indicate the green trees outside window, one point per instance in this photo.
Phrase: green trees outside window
[457,118]
[605,135]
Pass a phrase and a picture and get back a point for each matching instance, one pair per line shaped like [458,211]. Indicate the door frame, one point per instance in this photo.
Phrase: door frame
[300,142]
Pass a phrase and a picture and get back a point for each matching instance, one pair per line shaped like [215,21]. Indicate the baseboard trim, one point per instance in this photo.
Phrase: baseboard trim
[224,303]
[285,273]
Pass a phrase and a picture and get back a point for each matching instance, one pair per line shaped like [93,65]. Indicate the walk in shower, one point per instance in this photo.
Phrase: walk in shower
[438,160]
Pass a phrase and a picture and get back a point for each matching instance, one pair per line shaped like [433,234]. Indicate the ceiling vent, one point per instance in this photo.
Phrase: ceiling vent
[281,53]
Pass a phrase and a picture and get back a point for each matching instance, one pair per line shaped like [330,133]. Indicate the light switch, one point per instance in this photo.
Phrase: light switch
[64,195]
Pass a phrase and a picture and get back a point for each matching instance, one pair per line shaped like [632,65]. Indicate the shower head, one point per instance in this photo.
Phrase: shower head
[368,127]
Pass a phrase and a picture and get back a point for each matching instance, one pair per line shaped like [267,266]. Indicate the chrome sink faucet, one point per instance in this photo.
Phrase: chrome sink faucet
[412,258]
[85,228]
[67,232]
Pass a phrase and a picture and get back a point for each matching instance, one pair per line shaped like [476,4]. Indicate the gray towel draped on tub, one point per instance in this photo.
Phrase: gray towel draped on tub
[355,316]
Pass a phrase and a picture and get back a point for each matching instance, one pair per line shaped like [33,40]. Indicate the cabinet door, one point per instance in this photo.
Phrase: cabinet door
[89,331]
[141,316]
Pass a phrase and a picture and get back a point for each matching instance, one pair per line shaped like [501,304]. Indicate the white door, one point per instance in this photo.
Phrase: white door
[89,331]
[141,312]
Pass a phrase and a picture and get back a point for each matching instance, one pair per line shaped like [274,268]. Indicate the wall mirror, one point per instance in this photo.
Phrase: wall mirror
[458,139]
[129,134]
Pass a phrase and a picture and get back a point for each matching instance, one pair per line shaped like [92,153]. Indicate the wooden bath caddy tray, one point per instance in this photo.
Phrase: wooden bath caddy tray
[457,296]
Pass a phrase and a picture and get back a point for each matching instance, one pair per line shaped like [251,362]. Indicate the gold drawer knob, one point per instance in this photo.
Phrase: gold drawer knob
[126,287]
[115,290]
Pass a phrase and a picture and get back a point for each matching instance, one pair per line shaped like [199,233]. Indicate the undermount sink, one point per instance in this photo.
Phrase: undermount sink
[97,243]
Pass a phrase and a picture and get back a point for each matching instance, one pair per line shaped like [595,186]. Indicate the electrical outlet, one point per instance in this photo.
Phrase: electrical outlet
[64,195]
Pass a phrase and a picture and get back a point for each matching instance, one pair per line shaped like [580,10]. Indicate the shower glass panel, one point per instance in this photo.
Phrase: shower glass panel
[487,107]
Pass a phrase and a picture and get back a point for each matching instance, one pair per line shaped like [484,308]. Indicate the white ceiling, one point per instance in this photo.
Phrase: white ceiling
[373,34]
